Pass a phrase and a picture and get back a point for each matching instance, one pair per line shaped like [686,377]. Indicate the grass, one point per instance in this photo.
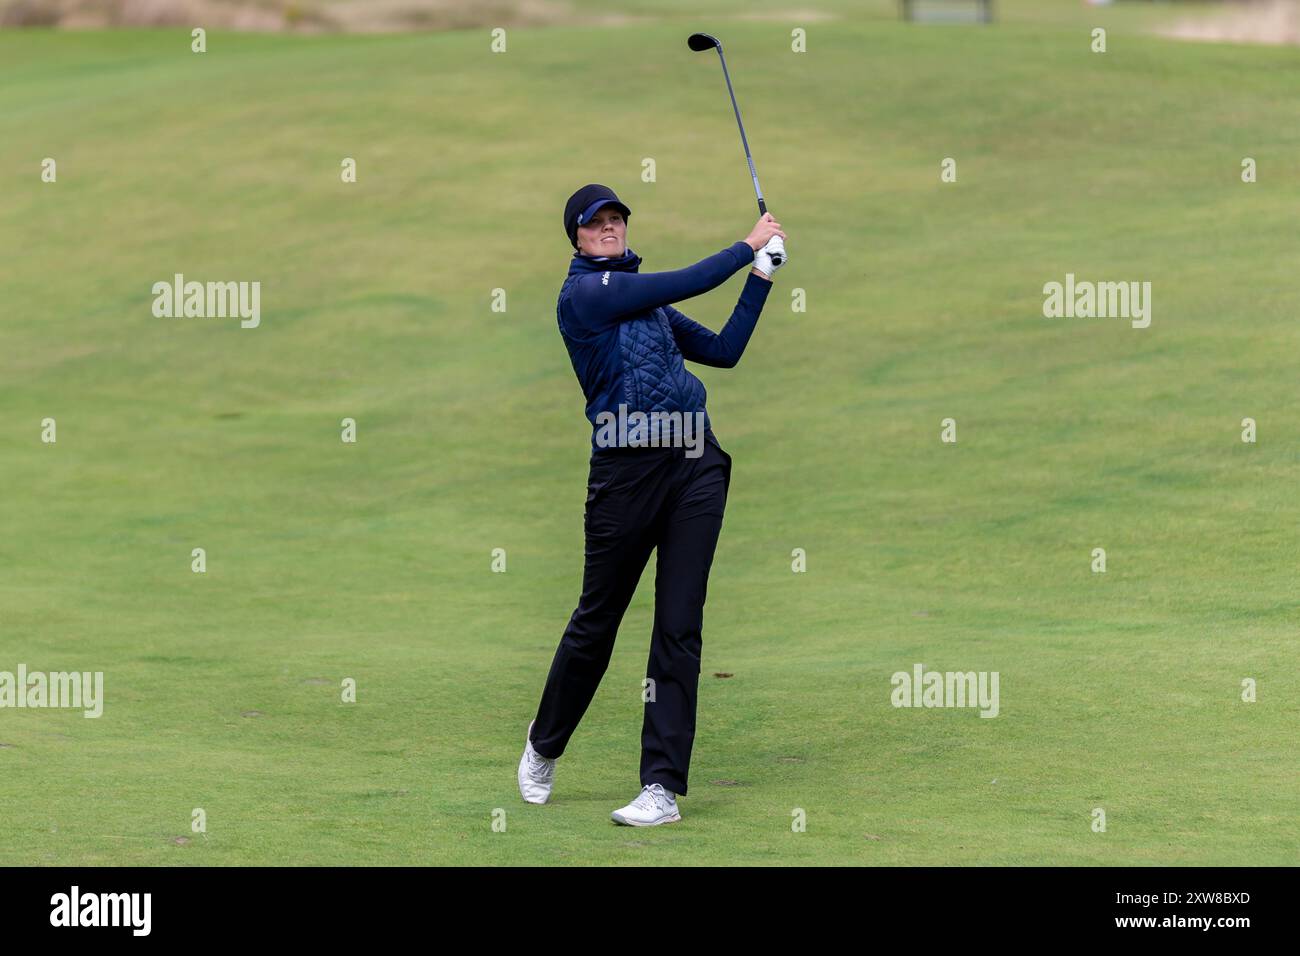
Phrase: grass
[371,561]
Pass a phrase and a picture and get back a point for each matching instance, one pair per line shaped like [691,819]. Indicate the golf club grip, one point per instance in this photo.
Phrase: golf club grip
[777,258]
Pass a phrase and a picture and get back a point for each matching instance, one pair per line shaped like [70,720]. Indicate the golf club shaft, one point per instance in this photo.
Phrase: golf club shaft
[758,190]
[700,42]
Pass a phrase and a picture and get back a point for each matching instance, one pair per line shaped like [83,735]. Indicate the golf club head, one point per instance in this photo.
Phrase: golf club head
[700,42]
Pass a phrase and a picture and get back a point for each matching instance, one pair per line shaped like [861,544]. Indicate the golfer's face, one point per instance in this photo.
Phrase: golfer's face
[605,235]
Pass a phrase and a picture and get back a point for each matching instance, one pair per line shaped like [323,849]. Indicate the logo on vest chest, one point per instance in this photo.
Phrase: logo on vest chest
[604,280]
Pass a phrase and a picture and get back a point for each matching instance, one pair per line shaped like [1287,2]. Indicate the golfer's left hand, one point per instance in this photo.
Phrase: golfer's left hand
[771,257]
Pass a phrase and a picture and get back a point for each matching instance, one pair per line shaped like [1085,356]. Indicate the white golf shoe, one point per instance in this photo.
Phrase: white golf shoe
[653,806]
[536,773]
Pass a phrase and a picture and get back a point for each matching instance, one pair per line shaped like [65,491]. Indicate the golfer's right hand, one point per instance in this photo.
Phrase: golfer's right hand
[763,230]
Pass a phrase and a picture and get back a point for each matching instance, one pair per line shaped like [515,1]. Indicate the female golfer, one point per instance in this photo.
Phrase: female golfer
[658,479]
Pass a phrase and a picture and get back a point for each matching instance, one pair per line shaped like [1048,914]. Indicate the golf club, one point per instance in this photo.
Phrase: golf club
[700,42]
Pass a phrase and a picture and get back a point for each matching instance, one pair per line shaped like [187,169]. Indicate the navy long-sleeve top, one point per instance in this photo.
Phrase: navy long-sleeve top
[627,342]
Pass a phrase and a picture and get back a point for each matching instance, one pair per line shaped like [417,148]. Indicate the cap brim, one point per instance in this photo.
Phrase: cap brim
[600,204]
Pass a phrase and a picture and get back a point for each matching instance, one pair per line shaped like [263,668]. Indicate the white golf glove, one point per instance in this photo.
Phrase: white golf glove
[771,257]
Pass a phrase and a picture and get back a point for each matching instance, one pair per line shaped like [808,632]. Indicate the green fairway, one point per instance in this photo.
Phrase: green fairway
[372,561]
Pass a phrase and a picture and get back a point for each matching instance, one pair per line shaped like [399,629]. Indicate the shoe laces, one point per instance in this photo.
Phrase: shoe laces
[652,797]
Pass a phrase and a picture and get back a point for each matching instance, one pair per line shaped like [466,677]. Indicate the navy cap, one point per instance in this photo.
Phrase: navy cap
[584,204]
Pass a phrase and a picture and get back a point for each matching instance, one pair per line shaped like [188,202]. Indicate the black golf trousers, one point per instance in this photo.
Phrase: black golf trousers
[640,499]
